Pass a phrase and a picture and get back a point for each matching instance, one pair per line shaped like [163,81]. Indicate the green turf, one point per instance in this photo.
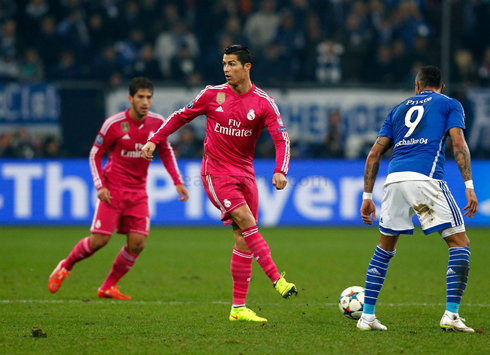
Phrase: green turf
[181,289]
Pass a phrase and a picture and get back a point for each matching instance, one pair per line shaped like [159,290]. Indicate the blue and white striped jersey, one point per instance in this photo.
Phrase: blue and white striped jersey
[419,128]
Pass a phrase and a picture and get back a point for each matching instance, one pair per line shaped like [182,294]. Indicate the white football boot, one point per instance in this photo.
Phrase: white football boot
[363,324]
[454,322]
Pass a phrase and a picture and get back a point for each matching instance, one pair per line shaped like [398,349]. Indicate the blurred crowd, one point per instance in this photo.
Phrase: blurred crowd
[322,41]
[294,42]
[22,144]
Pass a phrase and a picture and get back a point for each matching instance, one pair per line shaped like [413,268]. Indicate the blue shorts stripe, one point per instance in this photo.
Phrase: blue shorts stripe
[452,204]
[443,187]
[457,212]
[392,231]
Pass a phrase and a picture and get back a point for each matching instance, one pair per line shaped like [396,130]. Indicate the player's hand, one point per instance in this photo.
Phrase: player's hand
[279,181]
[183,193]
[367,209]
[104,194]
[472,206]
[148,150]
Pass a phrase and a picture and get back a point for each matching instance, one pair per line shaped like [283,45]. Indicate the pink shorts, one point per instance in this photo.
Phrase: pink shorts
[227,193]
[128,211]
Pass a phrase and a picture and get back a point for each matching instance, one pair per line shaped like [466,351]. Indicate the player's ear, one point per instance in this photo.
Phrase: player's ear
[248,66]
[442,88]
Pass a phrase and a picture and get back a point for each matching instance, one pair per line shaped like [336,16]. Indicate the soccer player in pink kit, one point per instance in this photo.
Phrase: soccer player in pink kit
[121,188]
[236,114]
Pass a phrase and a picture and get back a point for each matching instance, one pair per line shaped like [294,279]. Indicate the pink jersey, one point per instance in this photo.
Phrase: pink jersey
[123,137]
[234,123]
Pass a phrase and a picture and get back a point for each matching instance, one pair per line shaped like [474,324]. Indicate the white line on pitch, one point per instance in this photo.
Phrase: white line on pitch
[171,303]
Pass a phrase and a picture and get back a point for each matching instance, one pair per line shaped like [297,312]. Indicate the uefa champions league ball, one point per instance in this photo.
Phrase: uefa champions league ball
[351,302]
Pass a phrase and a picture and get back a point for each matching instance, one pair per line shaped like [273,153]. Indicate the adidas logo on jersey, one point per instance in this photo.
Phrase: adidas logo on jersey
[126,136]
[374,271]
[219,109]
[450,272]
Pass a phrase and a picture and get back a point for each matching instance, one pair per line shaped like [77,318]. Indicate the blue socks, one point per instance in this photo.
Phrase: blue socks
[375,277]
[458,268]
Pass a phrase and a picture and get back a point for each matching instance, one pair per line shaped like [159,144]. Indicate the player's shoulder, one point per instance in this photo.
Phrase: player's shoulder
[261,93]
[216,87]
[447,104]
[451,100]
[112,120]
[153,116]
[210,89]
[443,97]
[267,102]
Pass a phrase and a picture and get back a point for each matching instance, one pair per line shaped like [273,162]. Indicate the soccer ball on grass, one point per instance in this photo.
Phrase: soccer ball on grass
[351,302]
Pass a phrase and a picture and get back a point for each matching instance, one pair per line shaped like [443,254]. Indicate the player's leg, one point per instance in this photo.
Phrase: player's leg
[241,271]
[395,219]
[82,250]
[135,223]
[241,268]
[104,222]
[124,262]
[456,278]
[438,212]
[85,248]
[243,217]
[246,221]
[375,277]
[224,194]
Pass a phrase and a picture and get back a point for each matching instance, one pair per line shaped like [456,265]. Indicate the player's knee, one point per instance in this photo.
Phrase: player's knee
[98,241]
[137,247]
[458,240]
[242,245]
[244,219]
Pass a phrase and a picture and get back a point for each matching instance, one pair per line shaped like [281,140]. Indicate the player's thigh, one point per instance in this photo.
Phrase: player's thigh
[135,218]
[251,193]
[435,207]
[396,213]
[106,216]
[225,193]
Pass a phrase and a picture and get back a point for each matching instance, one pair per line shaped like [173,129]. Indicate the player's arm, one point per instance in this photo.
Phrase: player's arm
[280,137]
[176,120]
[167,157]
[463,160]
[101,144]
[371,169]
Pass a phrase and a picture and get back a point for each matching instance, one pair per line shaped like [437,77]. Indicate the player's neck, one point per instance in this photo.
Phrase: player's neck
[135,116]
[242,88]
[428,89]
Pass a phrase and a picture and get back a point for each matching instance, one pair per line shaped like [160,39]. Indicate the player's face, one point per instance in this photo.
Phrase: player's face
[141,101]
[235,72]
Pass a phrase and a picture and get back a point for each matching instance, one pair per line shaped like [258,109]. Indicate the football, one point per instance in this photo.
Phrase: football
[351,302]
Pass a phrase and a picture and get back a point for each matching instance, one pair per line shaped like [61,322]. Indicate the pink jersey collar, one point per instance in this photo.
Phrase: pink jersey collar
[249,92]
[132,120]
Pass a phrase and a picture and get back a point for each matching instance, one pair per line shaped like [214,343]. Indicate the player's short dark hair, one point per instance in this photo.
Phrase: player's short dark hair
[140,83]
[241,51]
[430,76]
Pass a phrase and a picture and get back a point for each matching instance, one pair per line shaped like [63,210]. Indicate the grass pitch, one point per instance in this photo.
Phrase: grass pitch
[181,295]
